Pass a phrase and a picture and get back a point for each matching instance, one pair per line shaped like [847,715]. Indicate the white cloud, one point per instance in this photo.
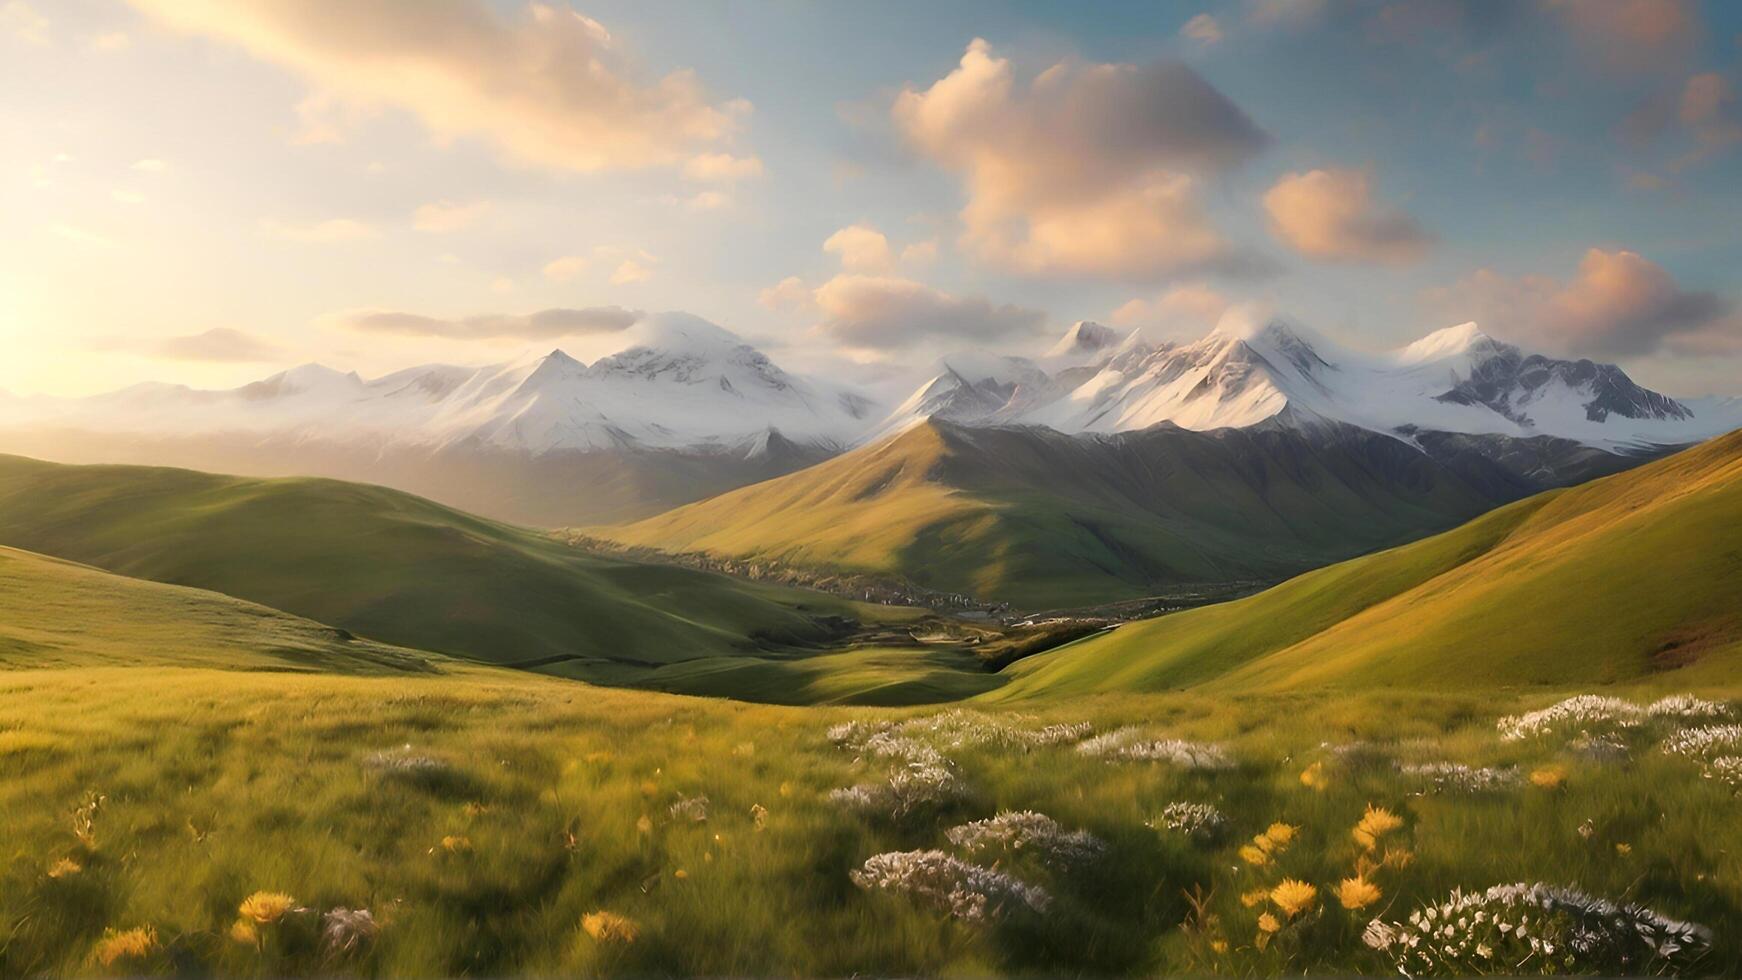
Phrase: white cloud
[920,253]
[722,167]
[1186,309]
[320,232]
[1203,28]
[790,293]
[542,325]
[1088,170]
[1332,215]
[565,268]
[630,271]
[550,87]
[882,313]
[441,217]
[861,248]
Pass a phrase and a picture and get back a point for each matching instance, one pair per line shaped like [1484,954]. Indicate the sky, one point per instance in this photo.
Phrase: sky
[207,191]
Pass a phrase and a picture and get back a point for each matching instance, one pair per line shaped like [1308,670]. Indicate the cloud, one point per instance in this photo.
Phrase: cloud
[1708,109]
[218,344]
[861,248]
[542,325]
[790,293]
[1203,28]
[1331,215]
[1088,170]
[1187,308]
[442,217]
[881,313]
[550,88]
[319,232]
[565,268]
[630,271]
[22,21]
[920,253]
[708,201]
[722,167]
[1632,35]
[1617,303]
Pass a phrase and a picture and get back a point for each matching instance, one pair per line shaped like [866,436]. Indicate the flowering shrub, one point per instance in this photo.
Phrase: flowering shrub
[690,809]
[1535,928]
[1199,821]
[1455,777]
[1129,743]
[1019,830]
[966,891]
[1704,742]
[1726,769]
[1687,706]
[924,739]
[907,791]
[1583,710]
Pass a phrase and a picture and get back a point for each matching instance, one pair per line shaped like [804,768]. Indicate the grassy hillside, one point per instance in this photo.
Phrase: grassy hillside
[1622,578]
[56,613]
[393,567]
[1043,519]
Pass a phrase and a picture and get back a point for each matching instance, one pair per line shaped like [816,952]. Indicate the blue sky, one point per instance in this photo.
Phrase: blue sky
[203,192]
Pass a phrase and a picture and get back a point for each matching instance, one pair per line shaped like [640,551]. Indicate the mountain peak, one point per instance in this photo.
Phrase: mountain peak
[1447,342]
[1084,337]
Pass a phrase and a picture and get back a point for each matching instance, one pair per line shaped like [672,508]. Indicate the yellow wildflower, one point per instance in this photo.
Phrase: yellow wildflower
[1623,849]
[1294,897]
[1313,777]
[1280,835]
[1375,823]
[1397,857]
[680,874]
[266,907]
[65,868]
[1255,897]
[1219,945]
[1357,893]
[131,944]
[1254,856]
[244,932]
[1549,777]
[1268,923]
[609,927]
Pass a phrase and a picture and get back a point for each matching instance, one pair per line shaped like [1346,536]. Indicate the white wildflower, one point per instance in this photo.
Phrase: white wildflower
[966,891]
[693,809]
[1582,710]
[1455,777]
[1130,744]
[1019,830]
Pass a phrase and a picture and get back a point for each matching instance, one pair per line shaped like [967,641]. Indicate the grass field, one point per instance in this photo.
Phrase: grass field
[1622,578]
[399,568]
[485,817]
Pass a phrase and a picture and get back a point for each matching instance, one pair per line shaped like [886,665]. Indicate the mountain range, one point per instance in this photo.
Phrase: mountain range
[688,411]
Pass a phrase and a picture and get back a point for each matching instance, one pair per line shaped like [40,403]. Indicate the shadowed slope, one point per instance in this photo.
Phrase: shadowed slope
[1038,518]
[1617,579]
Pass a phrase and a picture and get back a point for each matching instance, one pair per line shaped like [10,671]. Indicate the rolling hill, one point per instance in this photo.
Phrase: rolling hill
[396,568]
[56,613]
[1620,579]
[1042,519]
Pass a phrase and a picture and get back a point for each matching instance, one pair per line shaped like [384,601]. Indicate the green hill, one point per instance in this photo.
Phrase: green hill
[1621,579]
[1040,519]
[55,613]
[396,568]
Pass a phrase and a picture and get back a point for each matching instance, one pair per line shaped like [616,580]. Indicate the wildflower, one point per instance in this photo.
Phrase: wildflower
[130,944]
[1276,837]
[1586,710]
[245,932]
[266,908]
[1027,830]
[1219,945]
[1254,856]
[1374,824]
[758,816]
[609,927]
[1686,706]
[1128,744]
[680,874]
[1199,821]
[965,891]
[457,844]
[1623,849]
[1587,828]
[1313,776]
[405,762]
[917,787]
[1294,897]
[644,825]
[1357,893]
[1548,777]
[1268,923]
[65,868]
[785,790]
[691,808]
[1703,742]
[344,929]
[1457,777]
[1255,897]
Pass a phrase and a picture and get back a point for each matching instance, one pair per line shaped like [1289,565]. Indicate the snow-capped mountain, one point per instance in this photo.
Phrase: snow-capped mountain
[684,383]
[1250,371]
